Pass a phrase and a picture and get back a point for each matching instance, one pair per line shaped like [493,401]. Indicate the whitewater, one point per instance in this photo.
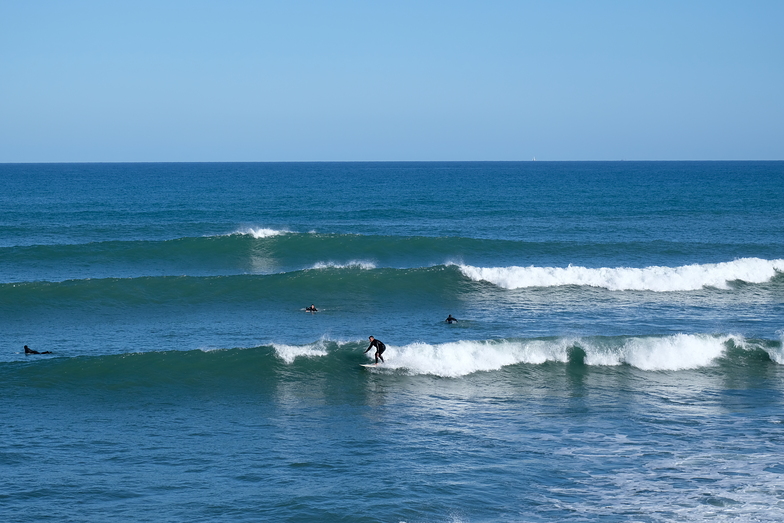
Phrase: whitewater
[657,279]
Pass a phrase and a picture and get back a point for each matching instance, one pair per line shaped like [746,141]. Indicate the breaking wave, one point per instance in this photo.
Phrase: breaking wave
[354,264]
[289,353]
[657,279]
[260,232]
[339,360]
[666,353]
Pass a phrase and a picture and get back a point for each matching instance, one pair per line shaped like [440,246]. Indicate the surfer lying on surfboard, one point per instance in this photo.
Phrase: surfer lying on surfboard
[380,348]
[28,350]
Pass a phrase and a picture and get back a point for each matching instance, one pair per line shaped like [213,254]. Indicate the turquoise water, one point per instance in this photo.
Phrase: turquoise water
[618,355]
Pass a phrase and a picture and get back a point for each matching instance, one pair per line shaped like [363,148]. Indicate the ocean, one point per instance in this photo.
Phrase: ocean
[618,354]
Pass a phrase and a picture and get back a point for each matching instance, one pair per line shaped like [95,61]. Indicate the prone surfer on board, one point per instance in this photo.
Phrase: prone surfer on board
[380,348]
[450,319]
[28,350]
[312,308]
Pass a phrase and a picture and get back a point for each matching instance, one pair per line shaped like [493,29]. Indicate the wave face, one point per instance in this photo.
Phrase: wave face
[334,360]
[269,251]
[344,283]
[357,279]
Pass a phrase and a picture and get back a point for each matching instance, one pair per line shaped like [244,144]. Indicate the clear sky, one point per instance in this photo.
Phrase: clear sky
[398,80]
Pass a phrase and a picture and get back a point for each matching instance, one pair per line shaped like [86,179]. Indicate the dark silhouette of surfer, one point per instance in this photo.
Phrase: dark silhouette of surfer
[312,308]
[380,348]
[28,350]
[450,319]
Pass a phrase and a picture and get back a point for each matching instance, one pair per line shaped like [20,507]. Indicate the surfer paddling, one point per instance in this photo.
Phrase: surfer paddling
[380,348]
[28,350]
[450,319]
[312,308]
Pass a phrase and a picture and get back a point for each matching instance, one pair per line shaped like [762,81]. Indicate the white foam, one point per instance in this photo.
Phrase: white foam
[289,353]
[777,353]
[450,359]
[356,264]
[658,279]
[466,357]
[260,232]
[677,352]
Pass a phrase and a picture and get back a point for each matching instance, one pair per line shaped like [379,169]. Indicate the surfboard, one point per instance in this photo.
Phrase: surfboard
[369,364]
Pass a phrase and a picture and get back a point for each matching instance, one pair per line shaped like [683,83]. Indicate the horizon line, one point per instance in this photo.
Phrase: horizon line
[362,161]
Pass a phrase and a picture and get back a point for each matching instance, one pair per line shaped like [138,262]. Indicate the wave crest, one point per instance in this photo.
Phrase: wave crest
[260,232]
[672,353]
[354,264]
[777,354]
[657,279]
[289,353]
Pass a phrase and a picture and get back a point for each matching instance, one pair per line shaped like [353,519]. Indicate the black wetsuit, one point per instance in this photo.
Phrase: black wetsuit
[450,319]
[31,351]
[380,348]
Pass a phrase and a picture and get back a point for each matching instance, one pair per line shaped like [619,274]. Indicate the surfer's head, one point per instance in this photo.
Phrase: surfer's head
[371,338]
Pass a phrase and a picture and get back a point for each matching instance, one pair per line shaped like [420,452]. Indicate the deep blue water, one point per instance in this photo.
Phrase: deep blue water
[618,355]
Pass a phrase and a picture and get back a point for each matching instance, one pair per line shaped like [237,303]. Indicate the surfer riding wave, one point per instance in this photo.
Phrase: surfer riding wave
[380,348]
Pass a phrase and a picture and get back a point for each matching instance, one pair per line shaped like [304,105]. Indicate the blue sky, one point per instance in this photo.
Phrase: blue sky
[353,81]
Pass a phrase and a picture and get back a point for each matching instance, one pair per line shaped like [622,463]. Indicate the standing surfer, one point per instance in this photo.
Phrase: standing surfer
[380,348]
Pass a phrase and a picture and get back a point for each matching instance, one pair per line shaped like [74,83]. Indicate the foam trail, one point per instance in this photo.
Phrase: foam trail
[658,279]
[289,353]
